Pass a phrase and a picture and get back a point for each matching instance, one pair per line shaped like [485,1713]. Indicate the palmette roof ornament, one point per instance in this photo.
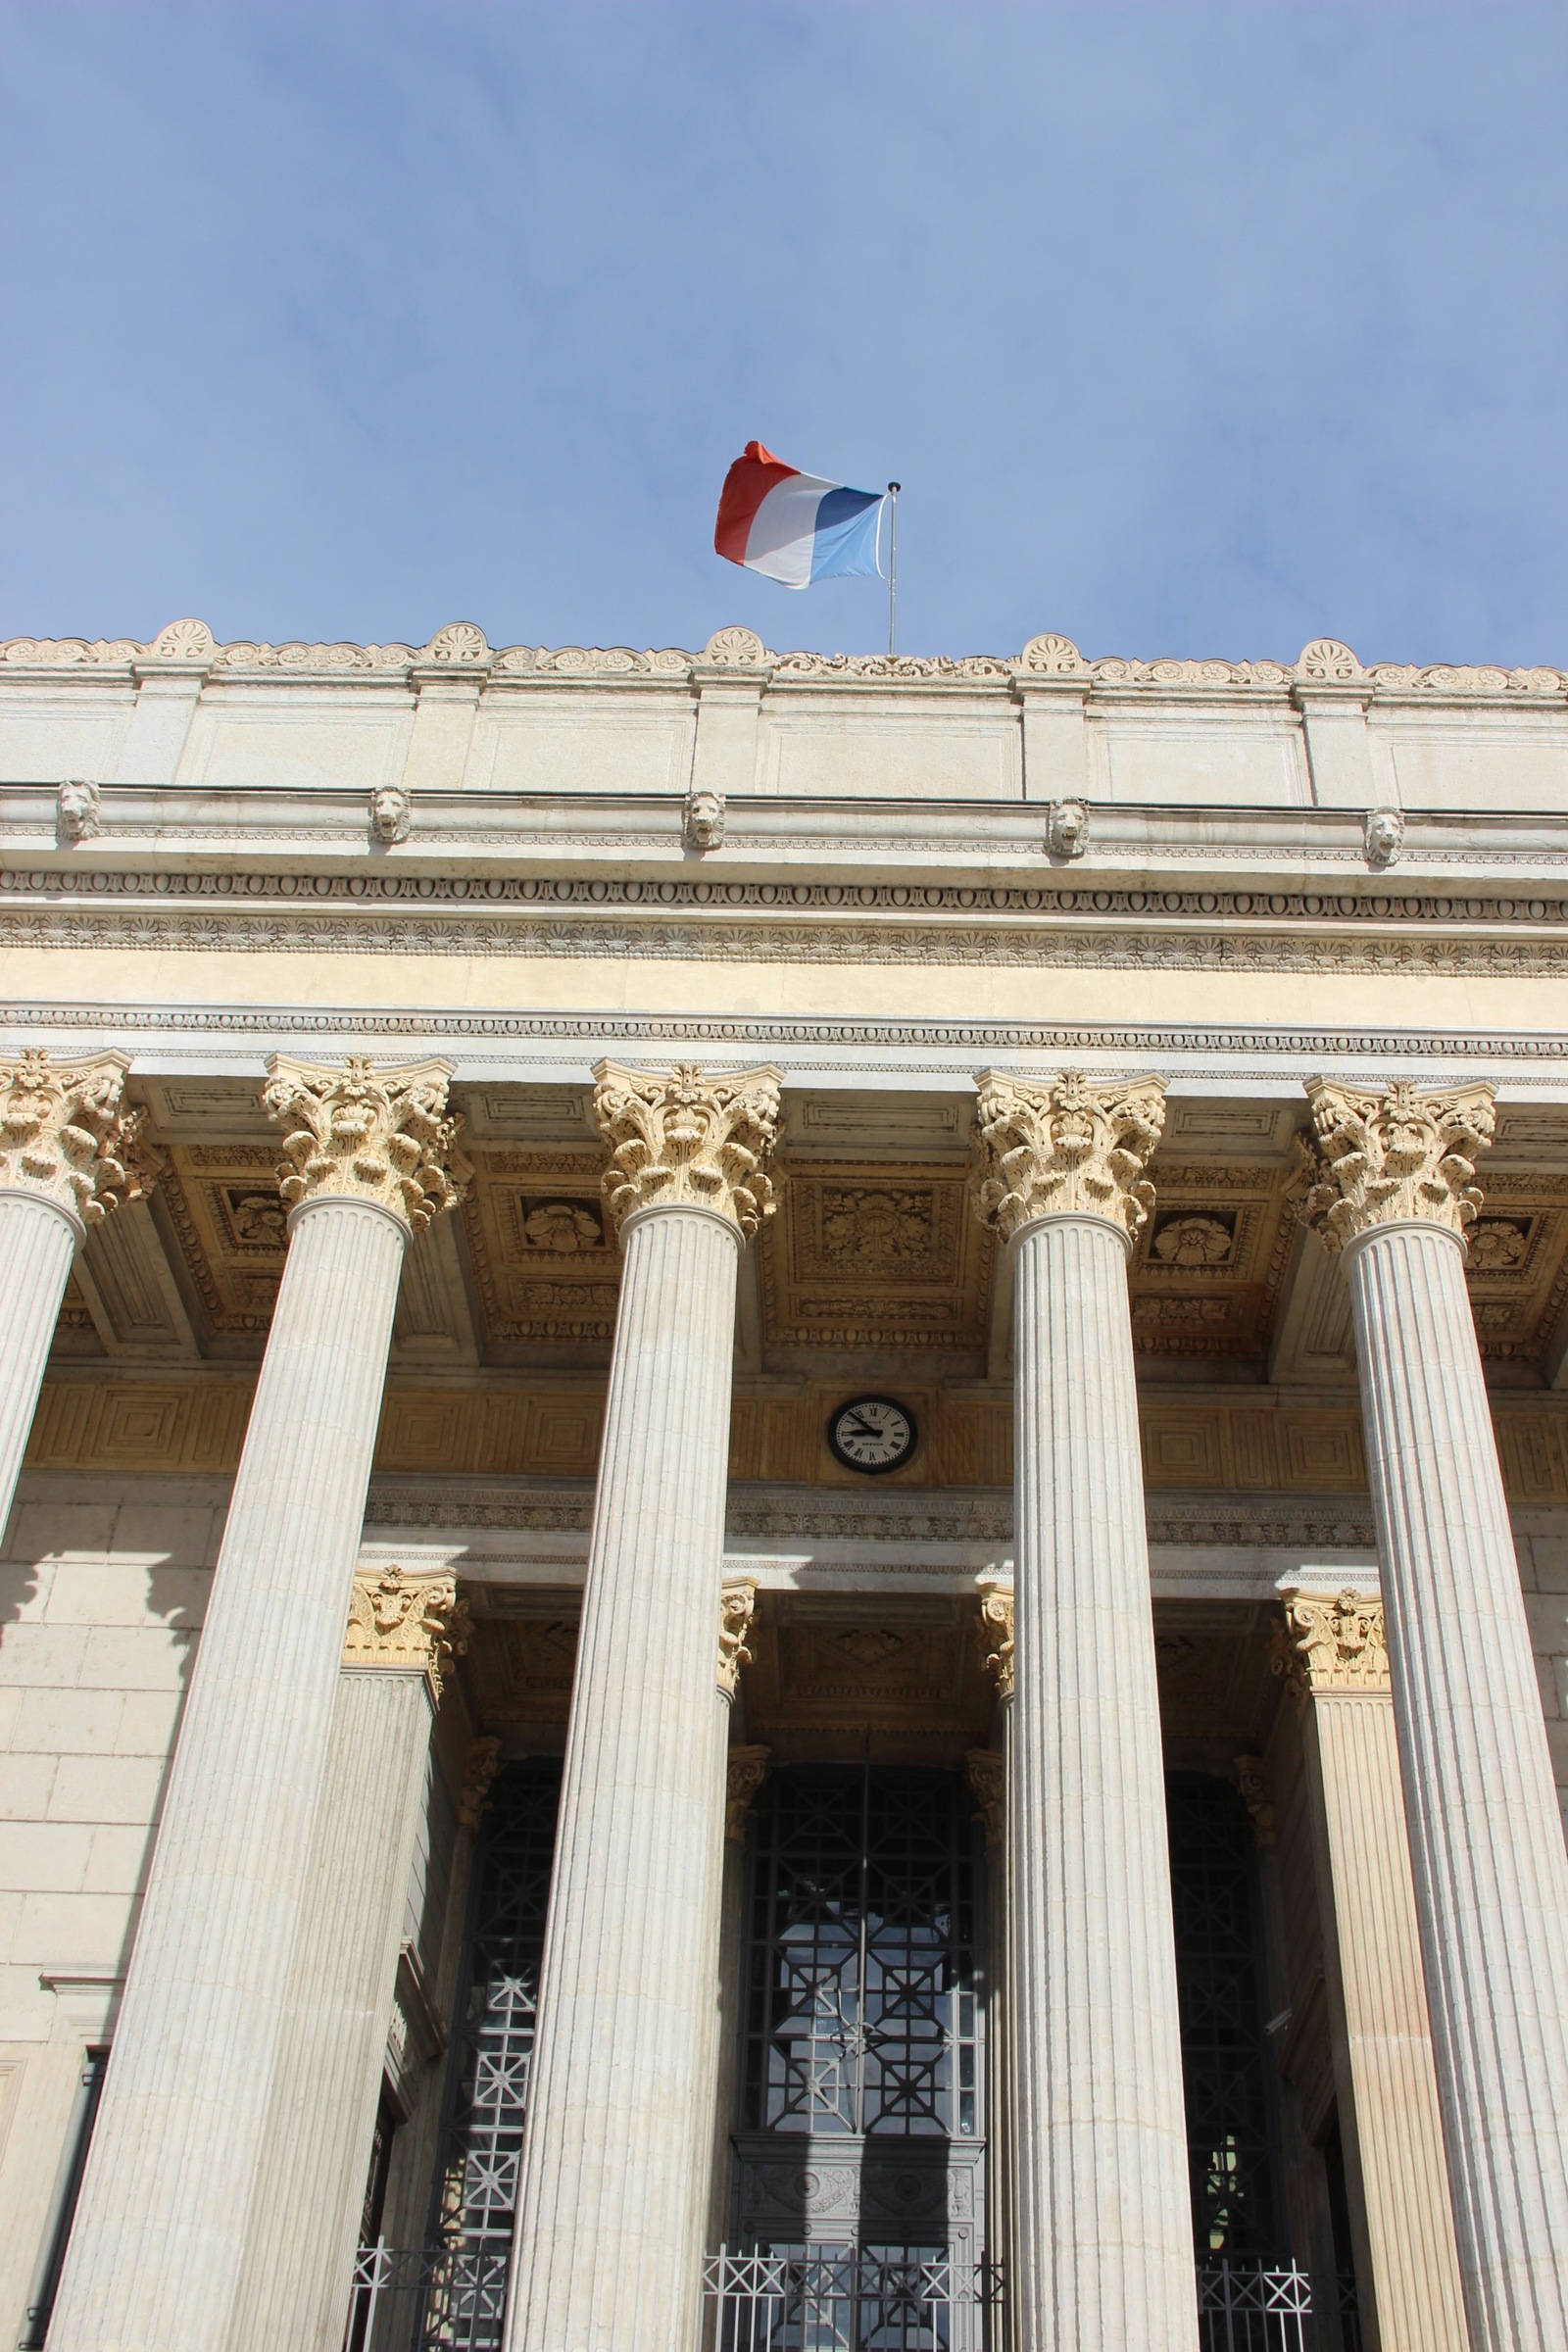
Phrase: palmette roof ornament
[1062,1147]
[462,649]
[687,1138]
[365,1134]
[64,1130]
[1386,1156]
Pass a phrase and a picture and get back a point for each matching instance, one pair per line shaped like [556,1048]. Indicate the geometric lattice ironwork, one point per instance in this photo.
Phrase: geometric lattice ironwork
[488,2083]
[862,2014]
[850,2299]
[1226,2063]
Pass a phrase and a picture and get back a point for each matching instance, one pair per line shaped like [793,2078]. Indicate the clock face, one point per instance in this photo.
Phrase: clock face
[872,1433]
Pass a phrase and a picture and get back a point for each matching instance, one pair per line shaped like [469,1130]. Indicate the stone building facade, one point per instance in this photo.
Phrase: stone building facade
[785,1500]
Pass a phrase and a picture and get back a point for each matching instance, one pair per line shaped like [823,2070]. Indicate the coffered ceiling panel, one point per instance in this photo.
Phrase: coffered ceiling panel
[861,1258]
[545,1260]
[1208,1264]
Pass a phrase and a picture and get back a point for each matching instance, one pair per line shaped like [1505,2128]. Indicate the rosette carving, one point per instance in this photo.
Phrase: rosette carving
[688,1139]
[368,1134]
[1331,1644]
[412,1623]
[737,1605]
[64,1130]
[1063,1146]
[1395,1152]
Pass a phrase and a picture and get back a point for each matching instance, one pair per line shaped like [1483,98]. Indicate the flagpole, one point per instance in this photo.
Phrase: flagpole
[893,567]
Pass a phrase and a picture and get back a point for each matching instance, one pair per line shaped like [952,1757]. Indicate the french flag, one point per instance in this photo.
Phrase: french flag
[794,527]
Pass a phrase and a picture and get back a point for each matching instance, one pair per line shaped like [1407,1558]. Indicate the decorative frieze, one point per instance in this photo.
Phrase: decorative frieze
[993,1632]
[411,1624]
[986,1770]
[737,1605]
[1331,1643]
[745,1771]
[365,1134]
[63,1129]
[1066,1146]
[688,1138]
[1395,1152]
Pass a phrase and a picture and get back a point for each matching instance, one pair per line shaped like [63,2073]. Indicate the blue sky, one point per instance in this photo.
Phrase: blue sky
[1187,328]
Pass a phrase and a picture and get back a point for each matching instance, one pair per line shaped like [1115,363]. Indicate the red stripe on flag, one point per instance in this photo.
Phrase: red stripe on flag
[745,485]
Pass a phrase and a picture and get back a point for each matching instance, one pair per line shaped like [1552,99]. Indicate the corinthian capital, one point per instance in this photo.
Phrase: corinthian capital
[1394,1152]
[1066,1145]
[363,1134]
[688,1139]
[1331,1644]
[737,1605]
[409,1623]
[993,1632]
[62,1129]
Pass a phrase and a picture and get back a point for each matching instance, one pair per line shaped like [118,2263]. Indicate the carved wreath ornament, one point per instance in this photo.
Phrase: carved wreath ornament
[1066,1146]
[1397,1154]
[687,1138]
[368,1134]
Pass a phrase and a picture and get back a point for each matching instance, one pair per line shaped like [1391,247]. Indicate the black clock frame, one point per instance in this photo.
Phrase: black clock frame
[871,1469]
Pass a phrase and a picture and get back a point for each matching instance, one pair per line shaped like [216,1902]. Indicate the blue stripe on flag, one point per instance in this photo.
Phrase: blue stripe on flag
[845,546]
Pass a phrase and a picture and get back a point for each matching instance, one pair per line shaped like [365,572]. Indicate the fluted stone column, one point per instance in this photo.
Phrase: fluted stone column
[60,1132]
[615,2162]
[1102,2251]
[303,2227]
[156,2251]
[1485,1836]
[987,1770]
[1332,1649]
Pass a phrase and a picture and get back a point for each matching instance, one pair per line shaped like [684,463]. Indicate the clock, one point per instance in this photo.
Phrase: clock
[872,1433]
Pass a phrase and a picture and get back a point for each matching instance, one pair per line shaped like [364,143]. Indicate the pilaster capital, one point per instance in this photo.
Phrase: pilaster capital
[484,1759]
[1389,1154]
[1257,1796]
[745,1771]
[1061,1145]
[63,1129]
[993,1632]
[1330,1642]
[410,1624]
[986,1769]
[737,1605]
[363,1134]
[688,1138]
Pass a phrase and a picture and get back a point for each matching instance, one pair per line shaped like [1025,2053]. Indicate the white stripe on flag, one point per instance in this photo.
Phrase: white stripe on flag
[783,530]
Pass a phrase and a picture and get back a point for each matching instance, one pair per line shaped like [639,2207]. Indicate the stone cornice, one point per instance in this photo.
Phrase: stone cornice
[959,1040]
[1317,948]
[461,650]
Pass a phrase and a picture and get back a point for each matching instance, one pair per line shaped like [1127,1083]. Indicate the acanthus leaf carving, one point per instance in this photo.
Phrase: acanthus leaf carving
[737,1605]
[62,1127]
[368,1134]
[993,1632]
[1061,1146]
[745,1771]
[1330,1643]
[412,1623]
[986,1770]
[1257,1796]
[483,1763]
[688,1138]
[1386,1156]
